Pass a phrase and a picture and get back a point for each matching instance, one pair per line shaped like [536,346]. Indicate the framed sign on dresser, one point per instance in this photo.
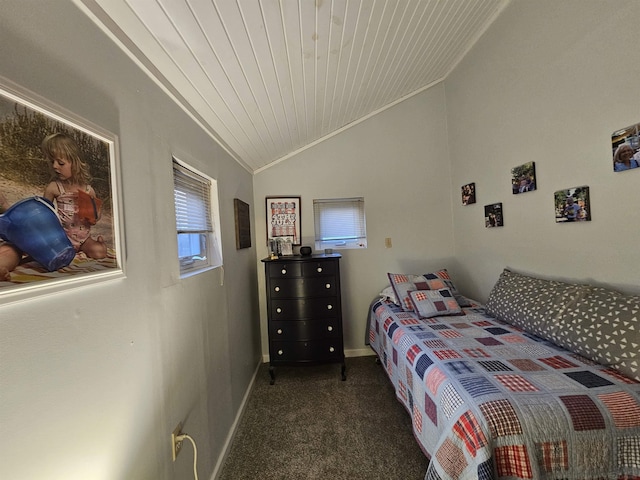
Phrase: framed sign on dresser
[304,311]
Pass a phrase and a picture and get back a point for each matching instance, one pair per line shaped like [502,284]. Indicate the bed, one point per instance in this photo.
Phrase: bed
[542,382]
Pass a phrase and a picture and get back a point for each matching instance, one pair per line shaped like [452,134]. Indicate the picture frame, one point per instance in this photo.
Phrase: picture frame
[493,215]
[572,205]
[625,148]
[523,178]
[243,224]
[283,218]
[58,247]
[468,192]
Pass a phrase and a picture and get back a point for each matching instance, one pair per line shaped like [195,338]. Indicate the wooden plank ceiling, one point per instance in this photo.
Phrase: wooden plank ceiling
[268,78]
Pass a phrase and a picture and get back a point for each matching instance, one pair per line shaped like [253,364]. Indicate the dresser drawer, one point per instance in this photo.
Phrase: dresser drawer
[302,287]
[305,329]
[319,267]
[284,269]
[311,351]
[301,308]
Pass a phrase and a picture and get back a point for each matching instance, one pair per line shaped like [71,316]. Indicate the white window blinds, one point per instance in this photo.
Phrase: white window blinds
[340,223]
[195,196]
[193,199]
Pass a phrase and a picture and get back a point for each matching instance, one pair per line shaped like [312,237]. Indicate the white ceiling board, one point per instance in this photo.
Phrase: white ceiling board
[268,78]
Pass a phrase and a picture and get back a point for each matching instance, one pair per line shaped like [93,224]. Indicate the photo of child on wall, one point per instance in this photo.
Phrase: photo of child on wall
[55,184]
[572,205]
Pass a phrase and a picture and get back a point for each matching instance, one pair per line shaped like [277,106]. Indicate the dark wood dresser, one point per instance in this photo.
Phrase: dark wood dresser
[304,311]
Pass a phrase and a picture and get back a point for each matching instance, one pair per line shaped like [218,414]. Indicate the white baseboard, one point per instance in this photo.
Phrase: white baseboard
[360,352]
[232,432]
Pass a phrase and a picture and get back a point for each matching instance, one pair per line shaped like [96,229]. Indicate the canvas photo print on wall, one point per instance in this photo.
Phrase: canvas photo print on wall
[58,209]
[523,178]
[572,205]
[625,147]
[493,216]
[468,194]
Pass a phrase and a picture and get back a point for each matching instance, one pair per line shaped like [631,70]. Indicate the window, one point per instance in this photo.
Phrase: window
[197,216]
[340,223]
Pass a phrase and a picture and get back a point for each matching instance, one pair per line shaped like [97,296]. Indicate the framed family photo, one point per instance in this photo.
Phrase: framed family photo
[283,219]
[59,201]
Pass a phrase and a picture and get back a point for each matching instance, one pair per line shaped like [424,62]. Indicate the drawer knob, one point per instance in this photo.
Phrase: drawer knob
[280,352]
[279,331]
[330,328]
[277,289]
[331,349]
[328,285]
[278,310]
[319,269]
[329,307]
[284,271]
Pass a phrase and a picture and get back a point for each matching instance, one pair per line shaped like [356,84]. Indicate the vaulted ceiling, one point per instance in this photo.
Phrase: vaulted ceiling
[269,78]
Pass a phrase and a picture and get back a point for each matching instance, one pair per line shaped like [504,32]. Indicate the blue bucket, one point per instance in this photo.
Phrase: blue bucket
[33,226]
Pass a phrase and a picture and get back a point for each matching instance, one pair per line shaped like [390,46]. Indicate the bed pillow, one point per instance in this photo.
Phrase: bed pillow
[388,294]
[434,303]
[533,304]
[404,283]
[604,325]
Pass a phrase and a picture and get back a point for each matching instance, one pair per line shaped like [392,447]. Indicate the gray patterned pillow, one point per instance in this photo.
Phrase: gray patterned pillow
[597,323]
[604,325]
[530,303]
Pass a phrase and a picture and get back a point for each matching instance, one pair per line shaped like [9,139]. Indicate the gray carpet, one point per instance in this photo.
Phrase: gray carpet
[311,425]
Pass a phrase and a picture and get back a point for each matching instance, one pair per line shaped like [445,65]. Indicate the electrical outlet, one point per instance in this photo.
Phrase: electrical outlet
[176,444]
[387,242]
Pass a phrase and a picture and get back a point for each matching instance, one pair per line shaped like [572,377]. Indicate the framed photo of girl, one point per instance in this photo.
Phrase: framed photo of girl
[59,202]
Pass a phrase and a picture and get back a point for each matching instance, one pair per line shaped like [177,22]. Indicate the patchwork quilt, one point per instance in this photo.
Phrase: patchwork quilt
[490,401]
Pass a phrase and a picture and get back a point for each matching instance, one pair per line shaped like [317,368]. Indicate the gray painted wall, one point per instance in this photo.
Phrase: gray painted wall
[93,380]
[544,84]
[397,161]
[549,82]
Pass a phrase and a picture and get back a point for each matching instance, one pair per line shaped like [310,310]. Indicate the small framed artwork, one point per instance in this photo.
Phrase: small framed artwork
[468,194]
[625,148]
[283,219]
[60,223]
[243,224]
[523,178]
[493,216]
[572,205]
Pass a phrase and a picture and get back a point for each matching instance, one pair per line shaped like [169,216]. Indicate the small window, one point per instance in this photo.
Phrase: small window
[340,223]
[196,201]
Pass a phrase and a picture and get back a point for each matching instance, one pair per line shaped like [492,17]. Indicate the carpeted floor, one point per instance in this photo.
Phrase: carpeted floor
[311,425]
